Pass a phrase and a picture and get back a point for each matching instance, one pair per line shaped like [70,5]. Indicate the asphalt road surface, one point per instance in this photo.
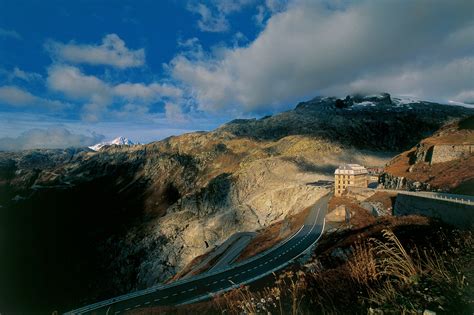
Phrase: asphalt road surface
[233,252]
[204,286]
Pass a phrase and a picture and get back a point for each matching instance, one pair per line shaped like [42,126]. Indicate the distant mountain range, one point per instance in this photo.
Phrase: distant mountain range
[116,141]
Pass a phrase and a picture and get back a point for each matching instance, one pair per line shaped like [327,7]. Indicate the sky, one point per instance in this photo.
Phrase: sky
[73,73]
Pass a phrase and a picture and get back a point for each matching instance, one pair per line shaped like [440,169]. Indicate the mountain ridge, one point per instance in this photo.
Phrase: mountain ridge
[156,205]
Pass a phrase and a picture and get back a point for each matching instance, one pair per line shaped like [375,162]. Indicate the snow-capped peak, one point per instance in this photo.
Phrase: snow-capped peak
[116,141]
[122,141]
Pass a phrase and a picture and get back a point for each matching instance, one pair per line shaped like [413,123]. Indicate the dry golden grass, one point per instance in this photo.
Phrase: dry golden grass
[452,136]
[290,286]
[392,259]
[362,265]
[389,267]
[440,175]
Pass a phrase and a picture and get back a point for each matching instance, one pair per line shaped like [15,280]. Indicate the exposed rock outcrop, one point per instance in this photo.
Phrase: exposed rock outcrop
[390,181]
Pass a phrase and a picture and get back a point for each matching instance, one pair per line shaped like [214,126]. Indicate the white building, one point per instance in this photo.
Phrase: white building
[353,175]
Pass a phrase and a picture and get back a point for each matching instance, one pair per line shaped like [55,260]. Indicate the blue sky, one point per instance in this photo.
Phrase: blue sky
[82,71]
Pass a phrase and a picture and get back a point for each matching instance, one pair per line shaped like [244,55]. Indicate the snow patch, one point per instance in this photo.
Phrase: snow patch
[116,141]
[365,103]
[404,100]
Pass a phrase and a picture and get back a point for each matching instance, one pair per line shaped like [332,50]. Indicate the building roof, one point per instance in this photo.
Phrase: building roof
[352,169]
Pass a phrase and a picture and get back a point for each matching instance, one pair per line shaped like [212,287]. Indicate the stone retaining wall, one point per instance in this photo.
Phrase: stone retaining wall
[446,152]
[458,214]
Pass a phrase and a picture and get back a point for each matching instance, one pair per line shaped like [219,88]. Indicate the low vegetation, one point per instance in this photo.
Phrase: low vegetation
[381,274]
[396,265]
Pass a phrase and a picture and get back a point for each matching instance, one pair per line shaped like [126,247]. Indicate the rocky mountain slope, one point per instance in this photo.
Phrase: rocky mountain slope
[94,224]
[443,162]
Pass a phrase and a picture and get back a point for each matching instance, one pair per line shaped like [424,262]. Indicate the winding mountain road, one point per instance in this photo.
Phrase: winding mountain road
[204,286]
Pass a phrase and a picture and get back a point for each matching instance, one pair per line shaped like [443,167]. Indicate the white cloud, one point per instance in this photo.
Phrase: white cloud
[192,48]
[17,97]
[76,85]
[209,21]
[9,34]
[174,113]
[260,16]
[51,138]
[269,8]
[318,46]
[99,95]
[276,5]
[147,93]
[229,6]
[213,16]
[445,81]
[111,52]
[129,111]
[25,76]
[465,96]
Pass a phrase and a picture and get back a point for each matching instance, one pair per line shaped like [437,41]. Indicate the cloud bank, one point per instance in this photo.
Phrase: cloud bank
[15,96]
[51,138]
[424,48]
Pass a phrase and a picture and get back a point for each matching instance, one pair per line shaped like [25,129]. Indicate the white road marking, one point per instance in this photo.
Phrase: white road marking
[192,289]
[146,303]
[175,294]
[156,300]
[127,309]
[214,282]
[138,305]
[165,297]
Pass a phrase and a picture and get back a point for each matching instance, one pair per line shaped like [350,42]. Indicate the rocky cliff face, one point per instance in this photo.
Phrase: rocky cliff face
[104,223]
